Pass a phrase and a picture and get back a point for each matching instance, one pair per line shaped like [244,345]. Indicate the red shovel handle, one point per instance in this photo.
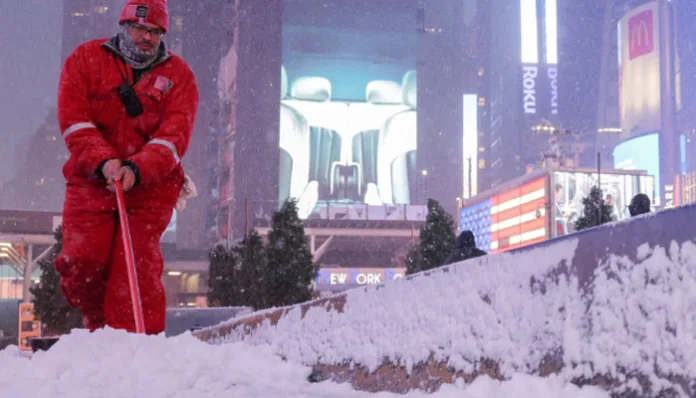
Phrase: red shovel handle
[130,260]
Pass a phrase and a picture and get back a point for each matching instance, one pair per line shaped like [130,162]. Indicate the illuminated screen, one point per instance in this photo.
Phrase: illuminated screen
[640,153]
[529,34]
[682,154]
[643,153]
[348,104]
[508,220]
[470,144]
[551,26]
[570,188]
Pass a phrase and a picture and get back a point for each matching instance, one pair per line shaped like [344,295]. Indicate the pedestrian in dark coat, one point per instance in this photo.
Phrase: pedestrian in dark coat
[465,249]
[640,204]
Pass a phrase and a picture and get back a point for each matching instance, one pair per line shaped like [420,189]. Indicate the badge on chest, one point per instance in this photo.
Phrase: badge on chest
[163,84]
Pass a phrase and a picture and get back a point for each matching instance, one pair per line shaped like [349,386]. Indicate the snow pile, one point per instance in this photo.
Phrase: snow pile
[115,364]
[642,316]
[488,307]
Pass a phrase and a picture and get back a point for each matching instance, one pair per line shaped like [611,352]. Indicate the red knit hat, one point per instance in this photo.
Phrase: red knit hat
[149,11]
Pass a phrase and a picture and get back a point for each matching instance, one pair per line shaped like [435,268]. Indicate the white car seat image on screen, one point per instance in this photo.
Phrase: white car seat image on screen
[338,153]
[396,148]
[384,99]
[326,120]
[295,142]
[383,92]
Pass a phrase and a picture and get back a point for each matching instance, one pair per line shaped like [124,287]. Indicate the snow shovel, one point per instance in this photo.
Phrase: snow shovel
[130,260]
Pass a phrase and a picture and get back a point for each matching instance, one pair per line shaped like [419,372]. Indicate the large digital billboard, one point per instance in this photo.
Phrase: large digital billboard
[640,153]
[544,205]
[514,218]
[649,89]
[643,153]
[348,103]
[639,70]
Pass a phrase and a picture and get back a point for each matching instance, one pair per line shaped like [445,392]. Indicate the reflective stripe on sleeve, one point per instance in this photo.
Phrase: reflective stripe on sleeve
[77,127]
[159,141]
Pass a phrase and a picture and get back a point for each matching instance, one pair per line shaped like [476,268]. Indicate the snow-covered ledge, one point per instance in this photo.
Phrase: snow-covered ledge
[611,306]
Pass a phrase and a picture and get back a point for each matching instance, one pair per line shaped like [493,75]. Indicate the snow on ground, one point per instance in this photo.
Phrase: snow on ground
[110,363]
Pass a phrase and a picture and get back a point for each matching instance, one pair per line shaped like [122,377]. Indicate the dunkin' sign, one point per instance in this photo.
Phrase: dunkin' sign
[641,40]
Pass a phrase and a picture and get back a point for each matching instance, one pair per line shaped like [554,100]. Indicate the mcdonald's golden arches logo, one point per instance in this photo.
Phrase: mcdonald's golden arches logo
[640,35]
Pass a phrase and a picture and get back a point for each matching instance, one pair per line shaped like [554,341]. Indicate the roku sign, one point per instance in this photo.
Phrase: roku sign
[529,75]
[358,276]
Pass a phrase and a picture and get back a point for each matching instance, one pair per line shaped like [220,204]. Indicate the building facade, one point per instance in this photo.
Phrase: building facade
[654,114]
[453,99]
[524,76]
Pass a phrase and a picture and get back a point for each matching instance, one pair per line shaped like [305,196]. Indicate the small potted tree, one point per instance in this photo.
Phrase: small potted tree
[56,315]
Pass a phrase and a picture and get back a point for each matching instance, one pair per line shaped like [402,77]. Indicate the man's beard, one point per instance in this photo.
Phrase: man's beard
[136,57]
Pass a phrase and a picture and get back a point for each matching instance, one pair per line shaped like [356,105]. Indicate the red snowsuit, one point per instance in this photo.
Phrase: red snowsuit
[95,128]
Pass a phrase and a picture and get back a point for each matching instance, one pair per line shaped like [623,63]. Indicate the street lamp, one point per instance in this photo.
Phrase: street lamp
[424,187]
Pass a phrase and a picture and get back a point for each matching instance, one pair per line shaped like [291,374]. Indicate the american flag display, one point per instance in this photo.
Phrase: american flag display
[511,219]
[477,219]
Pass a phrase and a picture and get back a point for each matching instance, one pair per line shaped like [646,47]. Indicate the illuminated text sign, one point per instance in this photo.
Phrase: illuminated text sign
[529,75]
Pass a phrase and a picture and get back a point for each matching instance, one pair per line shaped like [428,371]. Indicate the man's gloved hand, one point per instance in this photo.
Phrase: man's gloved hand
[110,170]
[127,177]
